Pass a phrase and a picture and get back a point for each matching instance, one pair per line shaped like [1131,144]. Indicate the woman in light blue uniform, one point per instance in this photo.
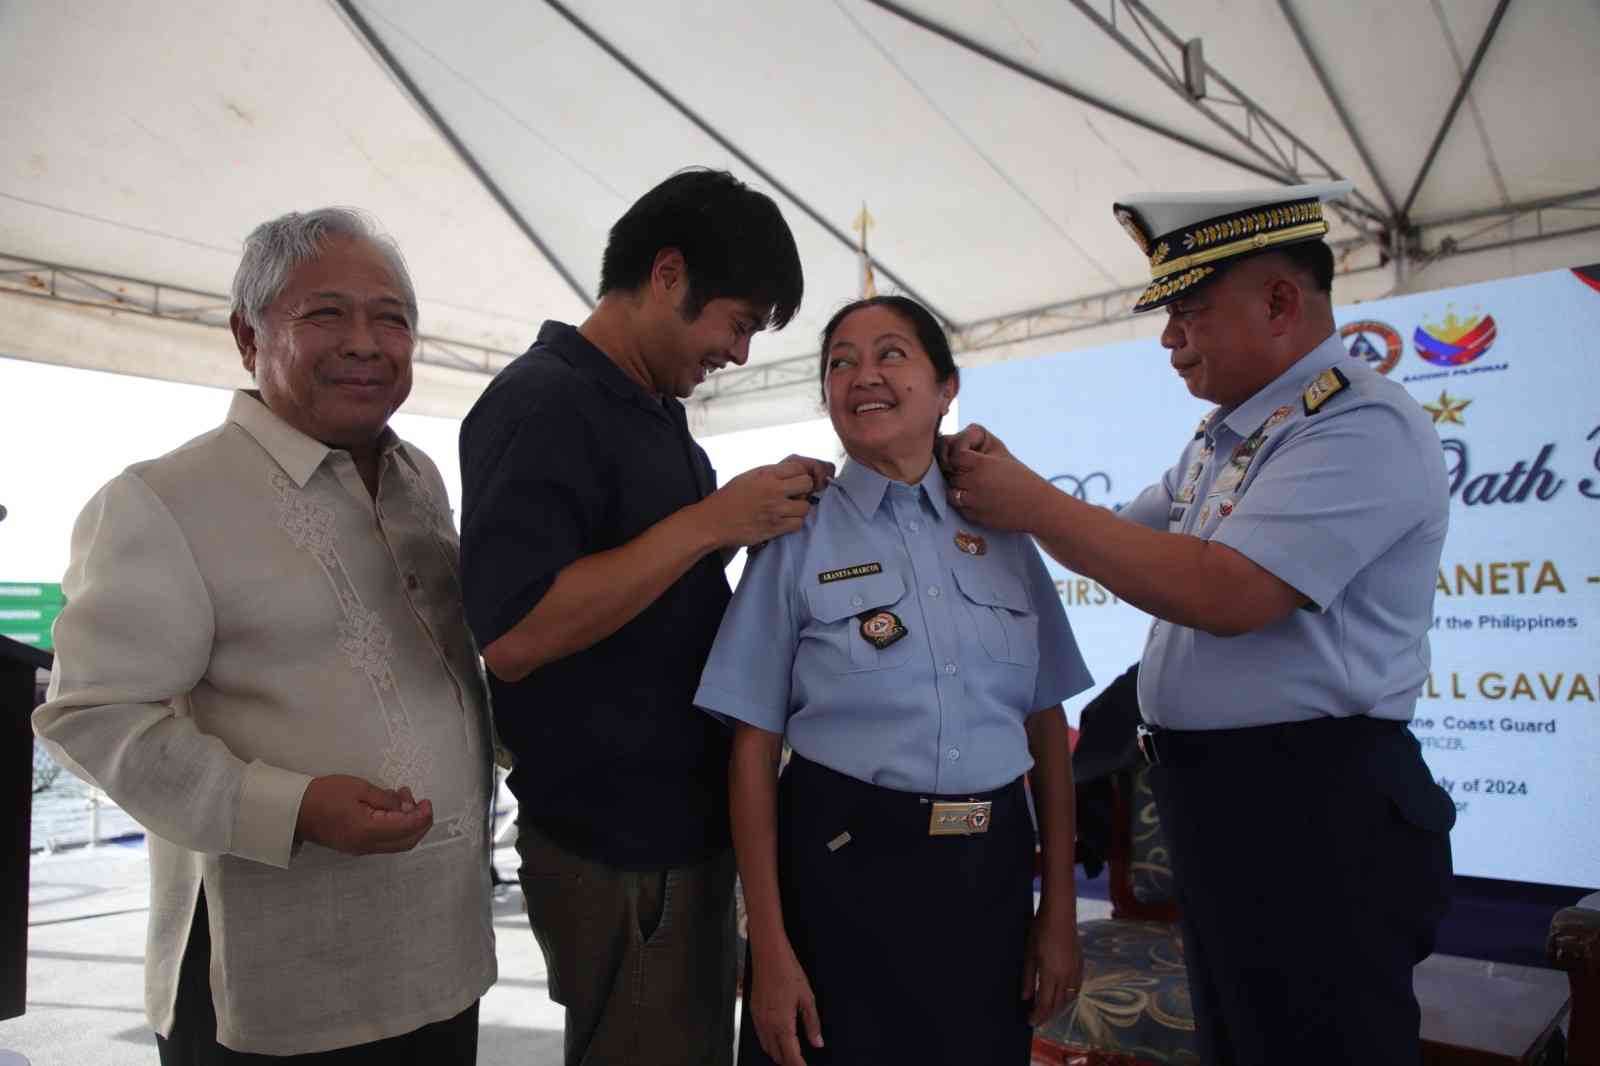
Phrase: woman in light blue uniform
[915,663]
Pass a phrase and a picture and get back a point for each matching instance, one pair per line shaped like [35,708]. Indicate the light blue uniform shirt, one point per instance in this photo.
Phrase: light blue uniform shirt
[942,708]
[1347,504]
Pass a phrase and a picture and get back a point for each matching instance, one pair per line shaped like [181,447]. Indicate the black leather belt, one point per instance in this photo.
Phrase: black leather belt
[1212,747]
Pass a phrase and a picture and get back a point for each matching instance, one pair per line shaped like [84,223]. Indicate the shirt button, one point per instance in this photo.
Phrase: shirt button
[855,601]
[955,754]
[950,668]
[915,527]
[412,583]
[933,590]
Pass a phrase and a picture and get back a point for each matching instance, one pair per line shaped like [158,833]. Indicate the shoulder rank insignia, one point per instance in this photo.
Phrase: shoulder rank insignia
[971,543]
[1329,384]
[845,573]
[881,628]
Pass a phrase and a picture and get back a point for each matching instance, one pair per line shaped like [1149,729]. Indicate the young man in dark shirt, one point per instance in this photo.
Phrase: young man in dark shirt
[593,544]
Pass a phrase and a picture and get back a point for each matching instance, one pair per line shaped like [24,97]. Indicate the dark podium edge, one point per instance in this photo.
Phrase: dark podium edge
[19,664]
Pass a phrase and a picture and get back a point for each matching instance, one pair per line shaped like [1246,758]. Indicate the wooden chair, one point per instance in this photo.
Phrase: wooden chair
[1574,946]
[1133,1009]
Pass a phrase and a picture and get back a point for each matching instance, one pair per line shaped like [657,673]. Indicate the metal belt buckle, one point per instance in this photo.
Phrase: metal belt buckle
[959,819]
[1147,744]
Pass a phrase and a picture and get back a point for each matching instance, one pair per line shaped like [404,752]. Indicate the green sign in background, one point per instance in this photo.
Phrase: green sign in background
[27,610]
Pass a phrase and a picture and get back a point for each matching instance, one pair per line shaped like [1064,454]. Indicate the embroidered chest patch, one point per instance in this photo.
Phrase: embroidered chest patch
[882,628]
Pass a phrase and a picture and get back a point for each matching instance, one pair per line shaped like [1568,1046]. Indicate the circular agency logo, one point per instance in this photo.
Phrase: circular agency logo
[1455,341]
[1378,343]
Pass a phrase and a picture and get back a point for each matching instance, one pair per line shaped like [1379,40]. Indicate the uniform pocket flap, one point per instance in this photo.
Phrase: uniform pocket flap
[838,600]
[992,587]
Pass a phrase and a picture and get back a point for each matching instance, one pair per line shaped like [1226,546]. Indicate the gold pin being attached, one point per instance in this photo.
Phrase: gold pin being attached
[959,819]
[971,543]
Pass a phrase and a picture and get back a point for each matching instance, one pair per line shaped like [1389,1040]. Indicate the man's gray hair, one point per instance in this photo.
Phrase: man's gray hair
[276,247]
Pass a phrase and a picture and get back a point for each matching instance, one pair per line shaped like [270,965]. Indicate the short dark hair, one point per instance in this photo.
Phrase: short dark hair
[1314,259]
[929,333]
[734,242]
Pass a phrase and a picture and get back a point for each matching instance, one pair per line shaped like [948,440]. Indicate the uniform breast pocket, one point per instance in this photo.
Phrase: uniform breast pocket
[997,601]
[849,642]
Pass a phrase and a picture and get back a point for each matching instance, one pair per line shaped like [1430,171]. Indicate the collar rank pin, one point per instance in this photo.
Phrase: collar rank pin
[971,543]
[881,628]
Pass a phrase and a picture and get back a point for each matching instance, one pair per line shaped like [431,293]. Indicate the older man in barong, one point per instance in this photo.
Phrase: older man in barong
[263,659]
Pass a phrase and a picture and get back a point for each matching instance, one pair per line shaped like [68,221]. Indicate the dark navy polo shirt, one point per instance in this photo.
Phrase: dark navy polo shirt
[565,455]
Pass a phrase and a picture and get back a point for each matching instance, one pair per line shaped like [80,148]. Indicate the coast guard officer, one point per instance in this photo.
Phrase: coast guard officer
[916,663]
[1289,559]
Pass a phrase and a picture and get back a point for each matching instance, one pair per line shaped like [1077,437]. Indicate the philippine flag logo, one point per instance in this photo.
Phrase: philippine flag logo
[1455,341]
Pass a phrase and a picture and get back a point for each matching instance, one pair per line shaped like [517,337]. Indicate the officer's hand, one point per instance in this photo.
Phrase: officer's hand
[1053,970]
[782,991]
[995,490]
[973,438]
[356,817]
[758,505]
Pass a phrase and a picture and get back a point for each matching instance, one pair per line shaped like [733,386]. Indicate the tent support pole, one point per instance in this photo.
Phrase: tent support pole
[1455,105]
[732,149]
[372,40]
[1338,105]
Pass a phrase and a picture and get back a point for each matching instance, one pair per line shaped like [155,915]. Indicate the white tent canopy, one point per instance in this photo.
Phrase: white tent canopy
[987,139]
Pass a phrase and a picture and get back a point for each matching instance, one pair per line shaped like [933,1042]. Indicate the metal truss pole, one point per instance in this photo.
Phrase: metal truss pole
[119,293]
[1115,305]
[1277,145]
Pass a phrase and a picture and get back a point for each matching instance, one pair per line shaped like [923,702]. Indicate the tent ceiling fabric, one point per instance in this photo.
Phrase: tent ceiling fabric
[146,140]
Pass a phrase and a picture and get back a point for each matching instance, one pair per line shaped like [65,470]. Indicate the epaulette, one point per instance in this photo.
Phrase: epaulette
[1327,385]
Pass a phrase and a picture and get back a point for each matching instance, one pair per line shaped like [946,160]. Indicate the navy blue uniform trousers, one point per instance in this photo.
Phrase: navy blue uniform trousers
[913,944]
[1312,863]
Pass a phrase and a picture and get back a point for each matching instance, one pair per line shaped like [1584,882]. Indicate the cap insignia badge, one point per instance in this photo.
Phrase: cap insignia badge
[1136,231]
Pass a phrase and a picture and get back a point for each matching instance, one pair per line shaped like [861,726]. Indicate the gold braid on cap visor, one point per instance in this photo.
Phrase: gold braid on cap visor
[1225,238]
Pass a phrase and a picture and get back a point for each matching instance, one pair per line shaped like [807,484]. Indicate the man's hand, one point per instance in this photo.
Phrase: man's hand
[996,490]
[782,991]
[759,504]
[973,438]
[357,817]
[821,470]
[1053,970]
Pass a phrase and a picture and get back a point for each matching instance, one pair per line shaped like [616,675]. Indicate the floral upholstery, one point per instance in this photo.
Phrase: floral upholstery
[1135,996]
[1149,861]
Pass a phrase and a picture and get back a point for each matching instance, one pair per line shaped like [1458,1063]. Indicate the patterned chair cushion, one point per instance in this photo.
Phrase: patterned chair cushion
[1149,861]
[1135,996]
